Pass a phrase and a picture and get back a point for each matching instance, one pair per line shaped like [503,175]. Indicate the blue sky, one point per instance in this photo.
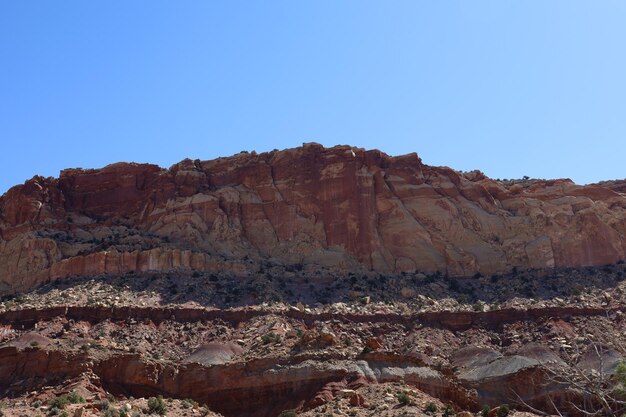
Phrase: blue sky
[512,88]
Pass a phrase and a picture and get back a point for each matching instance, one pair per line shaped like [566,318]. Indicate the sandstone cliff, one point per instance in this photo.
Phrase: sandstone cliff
[342,208]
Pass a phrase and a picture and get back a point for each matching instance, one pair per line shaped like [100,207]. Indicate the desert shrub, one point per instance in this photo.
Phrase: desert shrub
[620,373]
[270,338]
[403,398]
[112,412]
[188,403]
[288,413]
[157,405]
[430,408]
[61,401]
[503,411]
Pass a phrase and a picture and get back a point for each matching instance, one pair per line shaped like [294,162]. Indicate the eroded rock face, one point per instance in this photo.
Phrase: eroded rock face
[255,389]
[343,208]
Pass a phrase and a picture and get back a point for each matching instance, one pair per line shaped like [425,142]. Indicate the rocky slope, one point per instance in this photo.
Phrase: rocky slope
[341,208]
[413,345]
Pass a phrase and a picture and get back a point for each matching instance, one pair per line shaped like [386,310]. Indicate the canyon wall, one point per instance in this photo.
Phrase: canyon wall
[340,208]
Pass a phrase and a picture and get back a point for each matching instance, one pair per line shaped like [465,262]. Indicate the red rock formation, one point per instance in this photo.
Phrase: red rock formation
[340,207]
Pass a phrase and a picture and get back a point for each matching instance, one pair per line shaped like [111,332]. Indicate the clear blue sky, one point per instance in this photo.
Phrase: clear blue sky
[513,88]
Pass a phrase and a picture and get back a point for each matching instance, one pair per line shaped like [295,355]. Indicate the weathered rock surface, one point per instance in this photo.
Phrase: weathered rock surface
[122,340]
[94,342]
[239,389]
[342,207]
[214,353]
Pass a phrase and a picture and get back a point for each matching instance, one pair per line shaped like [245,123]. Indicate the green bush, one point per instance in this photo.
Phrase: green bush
[485,411]
[270,338]
[403,398]
[157,405]
[503,410]
[74,398]
[430,408]
[620,373]
[288,413]
[63,400]
[189,403]
[111,412]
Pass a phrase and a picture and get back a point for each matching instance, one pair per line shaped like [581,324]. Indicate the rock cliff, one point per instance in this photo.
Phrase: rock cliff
[342,208]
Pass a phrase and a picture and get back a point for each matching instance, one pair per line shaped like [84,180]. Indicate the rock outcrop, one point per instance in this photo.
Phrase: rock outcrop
[260,378]
[342,208]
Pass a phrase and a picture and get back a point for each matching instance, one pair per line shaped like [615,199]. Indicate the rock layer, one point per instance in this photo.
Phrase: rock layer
[217,374]
[343,208]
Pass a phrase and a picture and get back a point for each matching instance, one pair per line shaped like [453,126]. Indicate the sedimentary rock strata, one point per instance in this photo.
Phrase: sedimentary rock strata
[343,208]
